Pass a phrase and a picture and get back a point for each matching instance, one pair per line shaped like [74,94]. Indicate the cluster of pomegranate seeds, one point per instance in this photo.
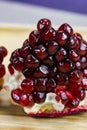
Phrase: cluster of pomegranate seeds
[3,53]
[51,61]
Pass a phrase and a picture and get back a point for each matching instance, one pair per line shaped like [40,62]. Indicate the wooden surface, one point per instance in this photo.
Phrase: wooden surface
[12,117]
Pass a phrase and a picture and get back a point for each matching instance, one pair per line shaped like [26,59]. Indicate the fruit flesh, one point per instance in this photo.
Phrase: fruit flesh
[56,60]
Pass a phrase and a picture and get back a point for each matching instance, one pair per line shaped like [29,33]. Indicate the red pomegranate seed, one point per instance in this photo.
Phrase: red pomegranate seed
[11,69]
[26,99]
[83,48]
[83,62]
[41,72]
[2,70]
[61,54]
[61,37]
[61,78]
[75,76]
[34,38]
[73,55]
[15,54]
[18,63]
[28,85]
[49,61]
[40,52]
[25,50]
[66,28]
[84,83]
[65,66]
[73,42]
[85,72]
[1,58]
[49,34]
[50,85]
[27,72]
[41,84]
[15,94]
[43,24]
[39,97]
[3,50]
[32,62]
[52,47]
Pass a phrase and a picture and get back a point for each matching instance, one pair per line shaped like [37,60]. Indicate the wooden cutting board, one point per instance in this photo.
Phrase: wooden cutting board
[12,117]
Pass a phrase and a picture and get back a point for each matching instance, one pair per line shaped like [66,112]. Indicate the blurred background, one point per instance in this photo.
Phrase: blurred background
[28,12]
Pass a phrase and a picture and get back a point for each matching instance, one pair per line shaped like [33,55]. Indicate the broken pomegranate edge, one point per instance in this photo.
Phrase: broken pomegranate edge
[51,61]
[59,114]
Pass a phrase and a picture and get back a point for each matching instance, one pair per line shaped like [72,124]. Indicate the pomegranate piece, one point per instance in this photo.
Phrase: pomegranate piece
[52,61]
[3,53]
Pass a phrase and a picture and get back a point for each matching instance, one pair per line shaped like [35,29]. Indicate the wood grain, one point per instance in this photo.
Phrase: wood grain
[13,117]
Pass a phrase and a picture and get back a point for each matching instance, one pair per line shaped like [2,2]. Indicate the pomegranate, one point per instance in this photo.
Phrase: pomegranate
[52,61]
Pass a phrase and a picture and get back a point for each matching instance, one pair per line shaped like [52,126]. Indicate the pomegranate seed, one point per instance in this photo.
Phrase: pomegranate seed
[50,85]
[49,34]
[61,54]
[83,62]
[40,52]
[72,87]
[43,24]
[73,42]
[15,94]
[34,38]
[84,83]
[52,47]
[39,97]
[73,55]
[61,94]
[83,48]
[52,71]
[41,84]
[81,94]
[65,66]
[15,54]
[27,72]
[41,72]
[32,62]
[11,69]
[85,73]
[26,99]
[28,85]
[75,76]
[2,70]
[1,58]
[49,61]
[18,63]
[61,38]
[25,50]
[66,28]
[61,78]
